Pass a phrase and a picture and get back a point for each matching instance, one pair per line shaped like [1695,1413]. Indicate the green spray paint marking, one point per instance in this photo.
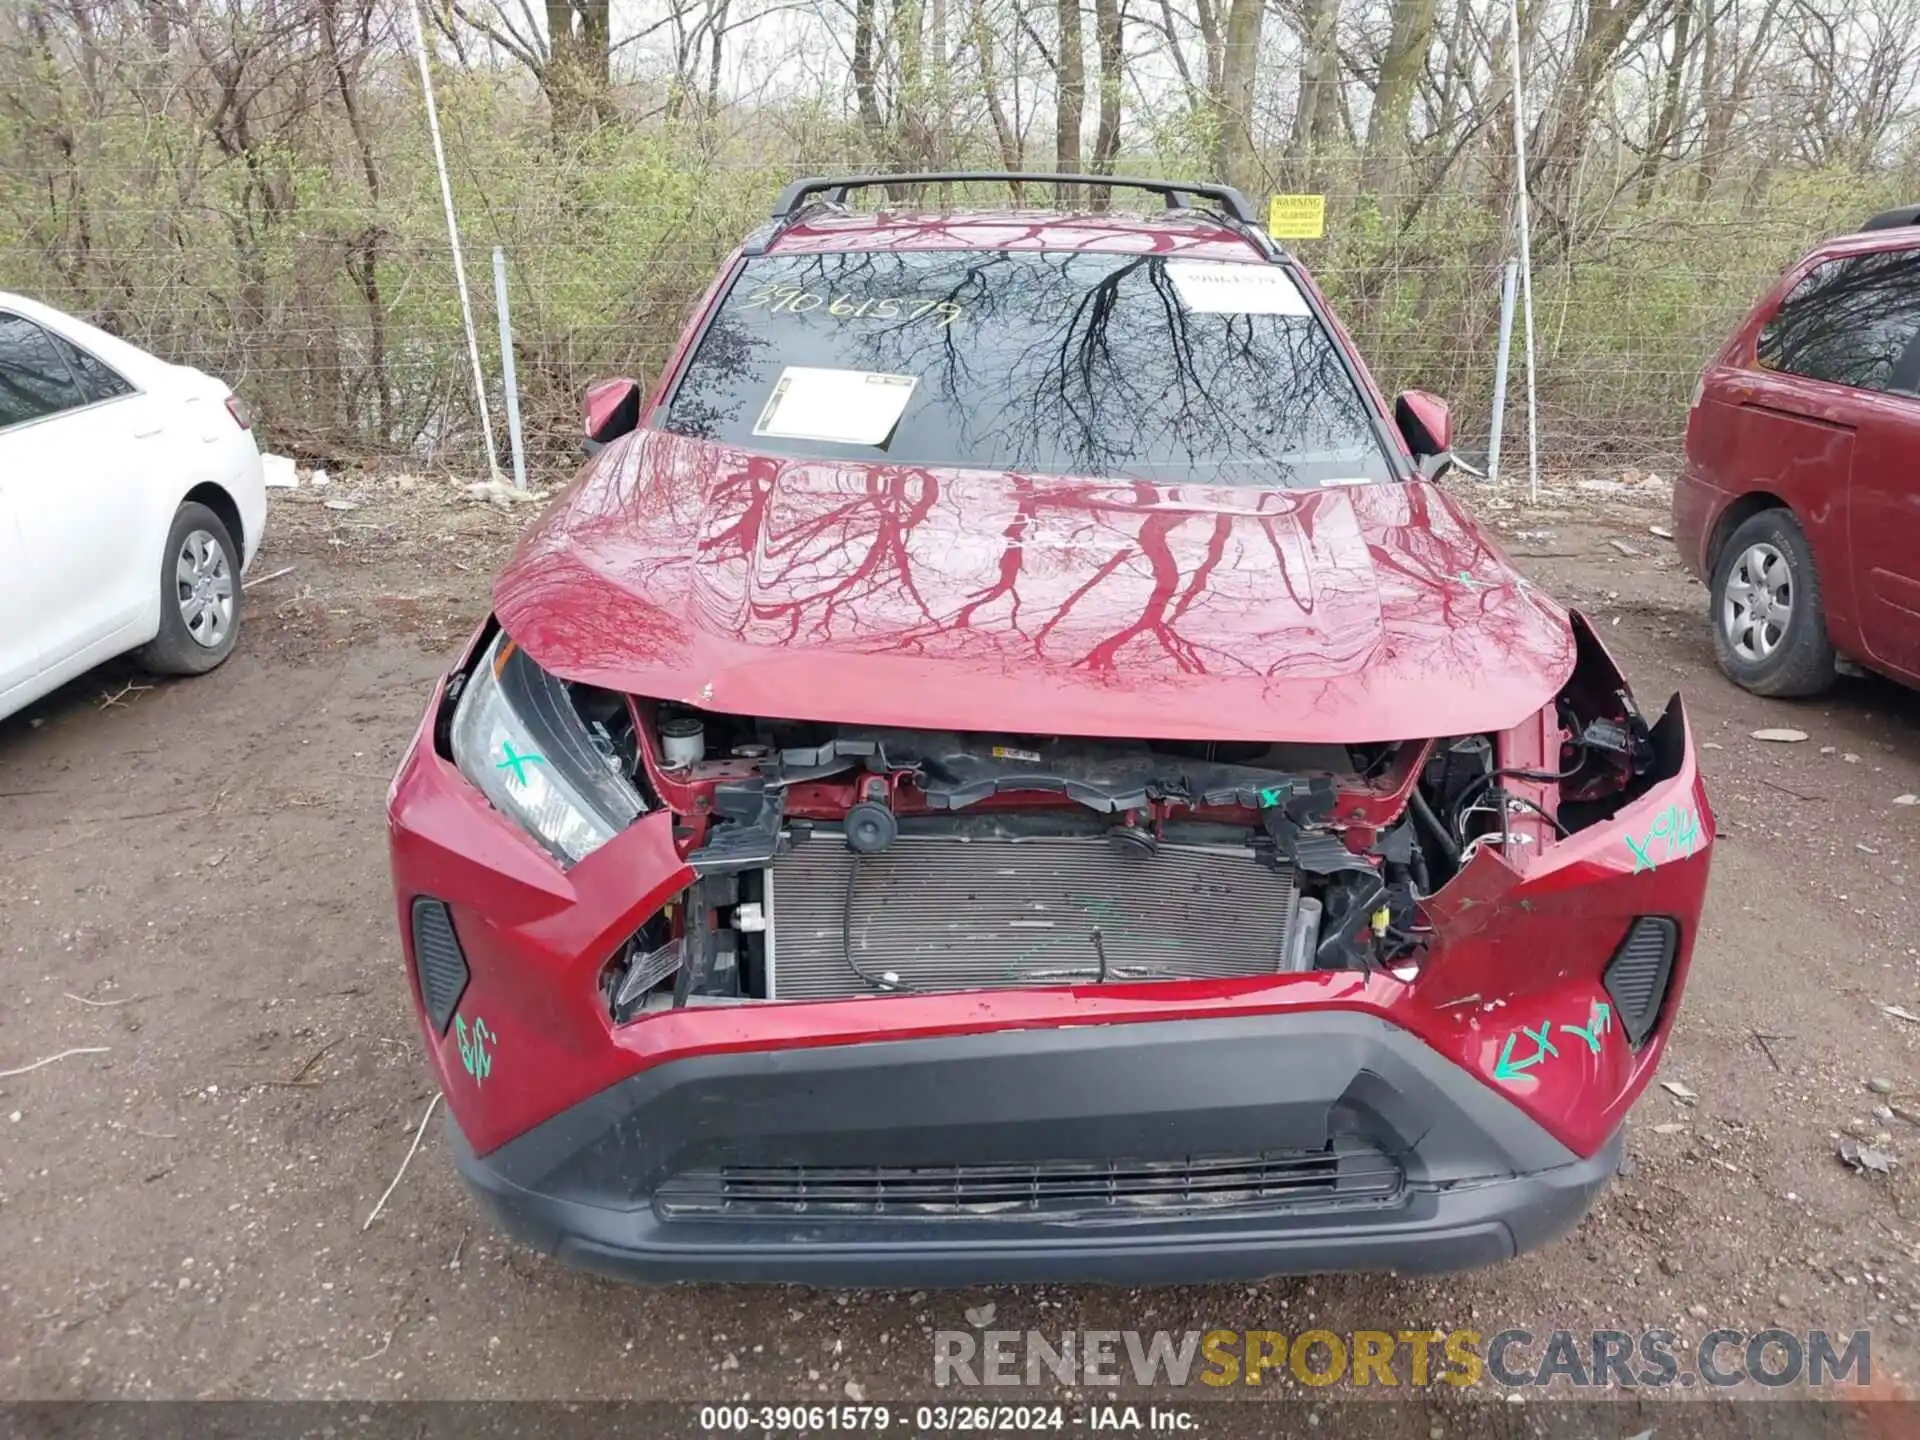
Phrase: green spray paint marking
[1271,797]
[1678,827]
[517,762]
[473,1049]
[1472,584]
[1507,1068]
[1599,1021]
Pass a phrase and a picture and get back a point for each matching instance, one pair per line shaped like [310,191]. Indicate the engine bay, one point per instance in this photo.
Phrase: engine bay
[833,861]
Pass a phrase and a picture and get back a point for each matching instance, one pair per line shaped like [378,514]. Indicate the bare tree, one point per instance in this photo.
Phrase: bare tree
[243,183]
[567,50]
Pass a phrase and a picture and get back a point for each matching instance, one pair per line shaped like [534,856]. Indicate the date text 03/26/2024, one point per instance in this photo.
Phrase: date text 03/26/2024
[960,1419]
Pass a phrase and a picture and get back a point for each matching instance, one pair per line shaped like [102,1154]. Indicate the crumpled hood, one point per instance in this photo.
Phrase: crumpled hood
[960,599]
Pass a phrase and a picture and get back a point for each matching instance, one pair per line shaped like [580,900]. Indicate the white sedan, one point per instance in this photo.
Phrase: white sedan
[131,502]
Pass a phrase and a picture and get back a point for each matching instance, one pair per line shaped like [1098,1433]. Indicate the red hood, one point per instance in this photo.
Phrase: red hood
[971,600]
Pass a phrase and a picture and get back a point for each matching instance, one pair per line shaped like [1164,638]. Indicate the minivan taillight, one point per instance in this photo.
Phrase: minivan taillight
[242,416]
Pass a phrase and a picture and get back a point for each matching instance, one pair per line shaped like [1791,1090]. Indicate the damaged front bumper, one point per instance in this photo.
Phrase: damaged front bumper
[1149,1153]
[1431,1115]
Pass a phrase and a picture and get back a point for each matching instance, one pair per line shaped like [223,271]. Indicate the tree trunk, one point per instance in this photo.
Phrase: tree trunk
[1070,66]
[1724,95]
[1110,42]
[596,44]
[866,91]
[1005,137]
[717,39]
[363,255]
[578,65]
[1208,19]
[1384,168]
[1316,113]
[1711,139]
[1233,102]
[912,138]
[1663,137]
[1556,162]
[942,89]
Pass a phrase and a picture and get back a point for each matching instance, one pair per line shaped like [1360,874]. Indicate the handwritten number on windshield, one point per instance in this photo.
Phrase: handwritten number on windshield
[798,300]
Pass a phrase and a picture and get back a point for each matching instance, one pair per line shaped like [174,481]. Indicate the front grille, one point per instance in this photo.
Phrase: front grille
[1636,977]
[1344,1173]
[951,912]
[436,955]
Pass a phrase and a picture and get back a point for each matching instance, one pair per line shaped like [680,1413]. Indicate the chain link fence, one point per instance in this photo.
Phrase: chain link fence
[333,310]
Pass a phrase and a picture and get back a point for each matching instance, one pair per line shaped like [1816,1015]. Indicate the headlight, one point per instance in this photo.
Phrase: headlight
[518,738]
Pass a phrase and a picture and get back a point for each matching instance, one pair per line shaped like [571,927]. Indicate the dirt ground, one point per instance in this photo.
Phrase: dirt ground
[194,889]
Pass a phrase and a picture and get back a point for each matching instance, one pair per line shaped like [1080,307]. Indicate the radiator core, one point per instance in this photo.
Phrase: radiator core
[936,913]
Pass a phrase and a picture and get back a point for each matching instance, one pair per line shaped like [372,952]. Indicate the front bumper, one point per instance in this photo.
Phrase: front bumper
[601,1183]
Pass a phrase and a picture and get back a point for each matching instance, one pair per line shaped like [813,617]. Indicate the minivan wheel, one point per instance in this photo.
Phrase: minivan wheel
[199,596]
[1769,626]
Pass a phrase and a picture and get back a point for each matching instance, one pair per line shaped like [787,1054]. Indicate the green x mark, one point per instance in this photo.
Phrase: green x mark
[1507,1068]
[517,762]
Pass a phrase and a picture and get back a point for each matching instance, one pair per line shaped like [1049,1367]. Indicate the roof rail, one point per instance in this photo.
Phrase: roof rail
[835,187]
[1893,219]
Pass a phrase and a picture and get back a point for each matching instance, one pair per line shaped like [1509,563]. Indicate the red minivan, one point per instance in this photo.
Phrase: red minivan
[1799,504]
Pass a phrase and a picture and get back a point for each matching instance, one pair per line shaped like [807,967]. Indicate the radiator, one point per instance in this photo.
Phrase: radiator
[938,913]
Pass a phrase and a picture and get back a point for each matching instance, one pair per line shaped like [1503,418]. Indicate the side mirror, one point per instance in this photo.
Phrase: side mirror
[612,409]
[1427,427]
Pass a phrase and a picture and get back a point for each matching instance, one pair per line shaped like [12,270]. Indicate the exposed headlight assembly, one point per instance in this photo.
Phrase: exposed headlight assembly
[519,739]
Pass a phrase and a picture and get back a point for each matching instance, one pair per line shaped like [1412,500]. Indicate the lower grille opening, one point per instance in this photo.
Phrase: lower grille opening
[1344,1173]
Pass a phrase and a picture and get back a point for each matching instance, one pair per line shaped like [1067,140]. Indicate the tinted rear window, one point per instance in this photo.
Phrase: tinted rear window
[1044,362]
[1849,322]
[99,380]
[34,382]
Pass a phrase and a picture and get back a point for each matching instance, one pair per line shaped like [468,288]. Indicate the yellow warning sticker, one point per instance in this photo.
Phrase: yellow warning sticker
[1297,217]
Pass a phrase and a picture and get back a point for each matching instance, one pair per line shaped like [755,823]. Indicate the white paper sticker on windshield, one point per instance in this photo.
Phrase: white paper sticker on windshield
[842,407]
[1221,287]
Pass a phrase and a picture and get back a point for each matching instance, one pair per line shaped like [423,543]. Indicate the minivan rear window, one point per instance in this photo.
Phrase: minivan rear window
[1044,362]
[1849,321]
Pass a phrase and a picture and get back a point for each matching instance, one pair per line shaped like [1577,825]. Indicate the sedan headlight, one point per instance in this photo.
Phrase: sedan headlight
[519,739]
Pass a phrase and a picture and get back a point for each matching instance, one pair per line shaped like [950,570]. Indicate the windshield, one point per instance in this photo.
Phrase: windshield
[1043,362]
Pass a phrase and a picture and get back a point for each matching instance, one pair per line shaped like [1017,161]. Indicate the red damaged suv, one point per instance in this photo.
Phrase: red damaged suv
[1006,765]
